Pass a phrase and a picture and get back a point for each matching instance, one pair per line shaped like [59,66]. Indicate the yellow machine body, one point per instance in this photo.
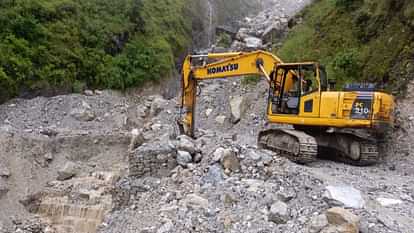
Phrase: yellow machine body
[319,107]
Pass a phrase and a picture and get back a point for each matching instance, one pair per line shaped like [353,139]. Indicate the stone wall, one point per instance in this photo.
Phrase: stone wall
[152,159]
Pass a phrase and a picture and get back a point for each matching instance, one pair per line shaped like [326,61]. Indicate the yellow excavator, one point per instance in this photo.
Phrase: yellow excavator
[323,120]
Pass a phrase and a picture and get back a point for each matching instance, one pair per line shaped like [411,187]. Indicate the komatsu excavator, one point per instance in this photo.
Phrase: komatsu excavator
[299,95]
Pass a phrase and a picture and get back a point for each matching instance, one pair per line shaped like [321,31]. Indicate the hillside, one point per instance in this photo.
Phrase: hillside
[59,46]
[370,40]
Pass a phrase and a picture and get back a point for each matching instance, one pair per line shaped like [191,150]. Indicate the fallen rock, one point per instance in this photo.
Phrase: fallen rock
[137,139]
[88,93]
[83,113]
[48,156]
[184,158]
[230,160]
[344,195]
[253,42]
[158,104]
[214,175]
[388,201]
[221,119]
[194,201]
[279,213]
[185,143]
[318,223]
[347,221]
[218,154]
[208,112]
[68,171]
[4,171]
[237,106]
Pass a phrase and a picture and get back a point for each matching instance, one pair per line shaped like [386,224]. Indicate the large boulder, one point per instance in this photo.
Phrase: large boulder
[186,143]
[238,107]
[230,161]
[196,202]
[344,195]
[279,213]
[68,171]
[184,158]
[342,220]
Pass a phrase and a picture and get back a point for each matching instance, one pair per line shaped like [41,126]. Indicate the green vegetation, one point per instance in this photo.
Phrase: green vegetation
[224,40]
[357,40]
[66,45]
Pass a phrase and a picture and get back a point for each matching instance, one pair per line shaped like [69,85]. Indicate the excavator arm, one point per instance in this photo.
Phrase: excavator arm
[227,65]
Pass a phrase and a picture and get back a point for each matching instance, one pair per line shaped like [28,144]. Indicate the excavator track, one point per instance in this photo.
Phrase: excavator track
[368,155]
[295,145]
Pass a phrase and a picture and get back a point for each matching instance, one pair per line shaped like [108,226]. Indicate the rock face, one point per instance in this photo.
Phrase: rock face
[344,195]
[279,213]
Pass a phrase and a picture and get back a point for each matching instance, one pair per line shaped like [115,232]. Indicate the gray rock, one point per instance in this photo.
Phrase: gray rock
[68,171]
[344,195]
[218,154]
[137,139]
[184,158]
[196,202]
[158,104]
[344,218]
[318,223]
[48,156]
[186,143]
[286,194]
[253,42]
[83,113]
[221,119]
[88,93]
[4,171]
[279,213]
[214,175]
[166,227]
[230,160]
[209,111]
[388,201]
[238,107]
[254,155]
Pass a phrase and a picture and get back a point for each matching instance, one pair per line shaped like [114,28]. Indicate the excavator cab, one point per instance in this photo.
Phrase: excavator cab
[295,87]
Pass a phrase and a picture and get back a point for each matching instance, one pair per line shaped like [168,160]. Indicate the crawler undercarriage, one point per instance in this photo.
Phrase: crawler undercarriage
[304,146]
